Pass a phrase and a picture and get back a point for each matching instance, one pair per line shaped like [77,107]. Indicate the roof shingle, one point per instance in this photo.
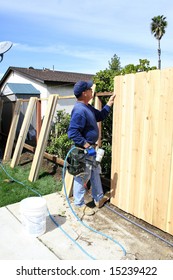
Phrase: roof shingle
[47,75]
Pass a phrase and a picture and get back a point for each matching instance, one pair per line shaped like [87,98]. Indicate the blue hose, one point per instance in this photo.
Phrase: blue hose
[55,222]
[51,217]
[84,224]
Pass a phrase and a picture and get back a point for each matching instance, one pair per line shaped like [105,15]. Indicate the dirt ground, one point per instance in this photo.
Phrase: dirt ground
[142,240]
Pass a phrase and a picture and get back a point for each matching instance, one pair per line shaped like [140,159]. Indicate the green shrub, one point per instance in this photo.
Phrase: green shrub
[58,143]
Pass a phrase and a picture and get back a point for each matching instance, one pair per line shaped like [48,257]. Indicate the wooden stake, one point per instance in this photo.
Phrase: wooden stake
[68,184]
[98,106]
[23,131]
[43,137]
[1,108]
[12,132]
[38,122]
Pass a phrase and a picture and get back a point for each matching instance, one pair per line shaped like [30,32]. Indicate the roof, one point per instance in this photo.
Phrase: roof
[48,76]
[23,88]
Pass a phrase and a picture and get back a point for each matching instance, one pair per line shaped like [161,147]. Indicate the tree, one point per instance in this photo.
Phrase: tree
[104,78]
[115,63]
[158,26]
[144,65]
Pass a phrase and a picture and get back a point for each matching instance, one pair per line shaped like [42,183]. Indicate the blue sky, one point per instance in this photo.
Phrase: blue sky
[82,36]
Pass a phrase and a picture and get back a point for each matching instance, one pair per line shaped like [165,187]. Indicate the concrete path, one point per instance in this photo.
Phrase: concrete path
[73,241]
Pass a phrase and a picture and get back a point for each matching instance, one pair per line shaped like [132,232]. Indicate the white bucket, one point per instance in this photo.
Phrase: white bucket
[33,213]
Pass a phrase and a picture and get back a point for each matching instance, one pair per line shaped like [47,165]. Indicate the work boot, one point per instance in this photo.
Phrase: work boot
[102,201]
[84,210]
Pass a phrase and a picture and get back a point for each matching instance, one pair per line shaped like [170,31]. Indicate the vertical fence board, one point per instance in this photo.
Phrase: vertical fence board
[126,138]
[116,141]
[137,143]
[169,221]
[164,152]
[149,149]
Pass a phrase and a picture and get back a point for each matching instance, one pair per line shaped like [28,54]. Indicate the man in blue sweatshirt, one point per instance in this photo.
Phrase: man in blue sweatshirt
[83,130]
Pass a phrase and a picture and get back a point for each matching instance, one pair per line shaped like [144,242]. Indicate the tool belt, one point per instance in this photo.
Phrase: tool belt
[76,162]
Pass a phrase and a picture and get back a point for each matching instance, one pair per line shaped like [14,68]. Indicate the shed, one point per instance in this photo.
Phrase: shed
[12,92]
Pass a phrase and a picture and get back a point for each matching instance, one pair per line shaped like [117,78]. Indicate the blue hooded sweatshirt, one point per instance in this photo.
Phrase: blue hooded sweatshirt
[83,124]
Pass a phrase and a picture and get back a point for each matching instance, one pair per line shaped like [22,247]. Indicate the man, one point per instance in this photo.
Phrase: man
[83,130]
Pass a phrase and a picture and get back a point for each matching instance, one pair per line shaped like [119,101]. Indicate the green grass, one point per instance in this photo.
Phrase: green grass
[14,184]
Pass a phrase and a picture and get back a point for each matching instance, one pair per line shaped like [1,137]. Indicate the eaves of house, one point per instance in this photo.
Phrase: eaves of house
[47,76]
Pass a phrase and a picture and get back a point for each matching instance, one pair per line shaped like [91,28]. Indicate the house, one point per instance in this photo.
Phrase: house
[23,83]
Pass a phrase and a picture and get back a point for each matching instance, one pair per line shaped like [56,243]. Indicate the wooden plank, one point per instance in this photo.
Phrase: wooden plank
[67,97]
[169,220]
[23,131]
[164,160]
[149,148]
[107,94]
[93,93]
[1,109]
[123,154]
[126,151]
[116,140]
[98,106]
[137,140]
[12,131]
[50,157]
[38,119]
[42,141]
[68,180]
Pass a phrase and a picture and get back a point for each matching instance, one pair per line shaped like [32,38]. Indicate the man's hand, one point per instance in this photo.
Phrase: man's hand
[111,100]
[87,145]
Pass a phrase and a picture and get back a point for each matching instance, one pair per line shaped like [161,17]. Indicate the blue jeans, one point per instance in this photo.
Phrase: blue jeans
[93,174]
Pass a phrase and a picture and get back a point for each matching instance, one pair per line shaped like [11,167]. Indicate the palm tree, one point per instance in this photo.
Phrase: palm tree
[158,26]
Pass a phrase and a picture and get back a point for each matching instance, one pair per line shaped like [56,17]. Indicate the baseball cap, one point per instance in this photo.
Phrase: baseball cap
[81,86]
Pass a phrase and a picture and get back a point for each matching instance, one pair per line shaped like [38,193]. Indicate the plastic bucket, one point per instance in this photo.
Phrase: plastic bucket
[33,213]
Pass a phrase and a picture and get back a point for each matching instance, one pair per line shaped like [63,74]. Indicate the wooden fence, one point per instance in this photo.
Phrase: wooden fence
[142,148]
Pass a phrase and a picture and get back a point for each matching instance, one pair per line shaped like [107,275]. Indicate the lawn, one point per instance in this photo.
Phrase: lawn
[14,184]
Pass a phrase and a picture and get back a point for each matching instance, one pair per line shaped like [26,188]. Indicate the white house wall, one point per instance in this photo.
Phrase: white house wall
[9,94]
[45,91]
[18,78]
[64,104]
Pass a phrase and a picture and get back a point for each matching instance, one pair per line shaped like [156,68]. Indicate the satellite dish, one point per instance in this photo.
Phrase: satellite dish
[4,47]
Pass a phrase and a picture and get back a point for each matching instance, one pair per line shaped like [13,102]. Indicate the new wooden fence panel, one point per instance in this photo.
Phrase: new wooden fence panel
[142,147]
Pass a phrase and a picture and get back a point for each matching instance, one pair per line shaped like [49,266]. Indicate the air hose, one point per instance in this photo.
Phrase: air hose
[138,225]
[114,211]
[51,217]
[69,204]
[54,221]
